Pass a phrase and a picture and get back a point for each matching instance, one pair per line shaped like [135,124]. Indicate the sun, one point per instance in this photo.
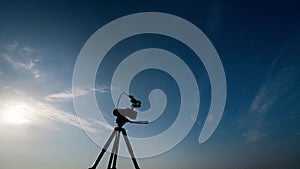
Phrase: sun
[17,113]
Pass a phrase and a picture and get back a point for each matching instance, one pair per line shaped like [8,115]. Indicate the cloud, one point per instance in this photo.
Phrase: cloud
[253,135]
[47,111]
[21,58]
[278,90]
[42,111]
[27,51]
[12,46]
[68,95]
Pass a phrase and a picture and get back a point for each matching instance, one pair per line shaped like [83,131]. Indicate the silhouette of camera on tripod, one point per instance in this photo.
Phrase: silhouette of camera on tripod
[121,119]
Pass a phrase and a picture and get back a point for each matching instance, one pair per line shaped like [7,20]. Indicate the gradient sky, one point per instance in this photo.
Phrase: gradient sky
[258,44]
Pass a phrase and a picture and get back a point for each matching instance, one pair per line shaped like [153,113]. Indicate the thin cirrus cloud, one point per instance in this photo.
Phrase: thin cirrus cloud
[21,58]
[48,111]
[92,126]
[281,86]
[68,95]
[39,111]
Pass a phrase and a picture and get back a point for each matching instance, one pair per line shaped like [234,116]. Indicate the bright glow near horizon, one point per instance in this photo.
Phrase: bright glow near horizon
[17,112]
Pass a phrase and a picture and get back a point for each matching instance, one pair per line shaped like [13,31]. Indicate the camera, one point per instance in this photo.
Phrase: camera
[129,112]
[122,114]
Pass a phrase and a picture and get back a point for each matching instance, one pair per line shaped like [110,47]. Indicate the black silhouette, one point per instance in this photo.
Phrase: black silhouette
[120,121]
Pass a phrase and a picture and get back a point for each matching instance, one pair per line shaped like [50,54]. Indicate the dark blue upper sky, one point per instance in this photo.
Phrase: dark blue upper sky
[258,44]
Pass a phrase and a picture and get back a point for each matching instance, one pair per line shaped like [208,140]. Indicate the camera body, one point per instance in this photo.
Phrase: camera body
[128,112]
[122,114]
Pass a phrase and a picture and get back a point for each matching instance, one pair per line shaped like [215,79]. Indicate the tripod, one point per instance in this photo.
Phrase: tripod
[121,120]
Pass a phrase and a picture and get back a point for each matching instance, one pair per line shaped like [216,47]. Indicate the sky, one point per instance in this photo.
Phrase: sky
[257,43]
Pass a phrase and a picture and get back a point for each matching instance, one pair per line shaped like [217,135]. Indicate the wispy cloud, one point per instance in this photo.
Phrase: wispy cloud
[42,111]
[48,111]
[27,51]
[21,58]
[68,95]
[281,84]
[253,135]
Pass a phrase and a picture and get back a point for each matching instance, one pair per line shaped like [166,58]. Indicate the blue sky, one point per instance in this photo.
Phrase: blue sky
[258,44]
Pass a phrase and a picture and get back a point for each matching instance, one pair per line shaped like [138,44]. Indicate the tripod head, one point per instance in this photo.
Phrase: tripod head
[121,114]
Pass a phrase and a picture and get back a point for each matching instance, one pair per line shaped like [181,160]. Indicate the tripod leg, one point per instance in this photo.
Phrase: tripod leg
[130,149]
[110,159]
[104,149]
[114,152]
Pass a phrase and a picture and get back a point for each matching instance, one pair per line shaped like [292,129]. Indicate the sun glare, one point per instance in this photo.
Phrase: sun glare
[17,113]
